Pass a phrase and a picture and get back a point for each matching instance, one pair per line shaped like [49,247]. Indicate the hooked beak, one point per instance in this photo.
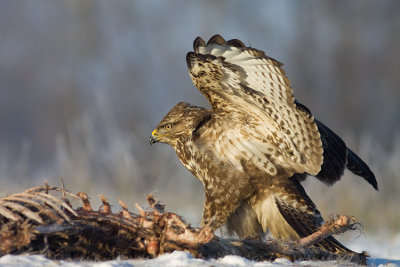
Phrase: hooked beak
[153,137]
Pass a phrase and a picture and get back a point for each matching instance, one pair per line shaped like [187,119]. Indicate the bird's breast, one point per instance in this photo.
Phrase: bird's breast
[207,160]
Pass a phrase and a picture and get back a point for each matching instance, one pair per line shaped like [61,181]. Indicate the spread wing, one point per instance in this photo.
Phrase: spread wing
[244,85]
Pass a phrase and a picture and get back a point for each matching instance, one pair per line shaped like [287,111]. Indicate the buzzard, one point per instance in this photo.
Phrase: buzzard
[255,146]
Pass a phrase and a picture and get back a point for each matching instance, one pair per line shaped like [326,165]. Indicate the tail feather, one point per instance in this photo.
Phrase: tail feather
[337,157]
[360,168]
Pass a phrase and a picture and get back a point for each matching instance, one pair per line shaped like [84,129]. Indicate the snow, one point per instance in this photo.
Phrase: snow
[383,247]
[175,259]
[383,253]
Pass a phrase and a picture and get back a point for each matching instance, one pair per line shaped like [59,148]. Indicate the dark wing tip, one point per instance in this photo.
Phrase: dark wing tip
[236,43]
[197,43]
[216,39]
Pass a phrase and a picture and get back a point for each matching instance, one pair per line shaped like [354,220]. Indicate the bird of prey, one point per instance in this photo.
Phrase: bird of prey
[255,146]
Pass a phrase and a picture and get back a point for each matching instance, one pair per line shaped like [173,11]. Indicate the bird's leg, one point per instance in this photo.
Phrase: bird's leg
[218,208]
[214,216]
[224,191]
[205,235]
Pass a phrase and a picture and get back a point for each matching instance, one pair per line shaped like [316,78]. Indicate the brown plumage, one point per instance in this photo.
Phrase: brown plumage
[255,145]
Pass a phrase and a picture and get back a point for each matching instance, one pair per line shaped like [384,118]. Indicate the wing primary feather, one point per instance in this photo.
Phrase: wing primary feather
[197,43]
[236,43]
[189,59]
[216,39]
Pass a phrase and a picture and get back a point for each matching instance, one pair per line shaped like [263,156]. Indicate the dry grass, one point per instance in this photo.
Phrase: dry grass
[114,165]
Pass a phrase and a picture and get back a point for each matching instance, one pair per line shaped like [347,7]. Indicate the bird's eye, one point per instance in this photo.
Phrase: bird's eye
[168,126]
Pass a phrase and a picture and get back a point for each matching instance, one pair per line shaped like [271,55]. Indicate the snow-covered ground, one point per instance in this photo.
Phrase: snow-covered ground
[383,247]
[383,252]
[176,259]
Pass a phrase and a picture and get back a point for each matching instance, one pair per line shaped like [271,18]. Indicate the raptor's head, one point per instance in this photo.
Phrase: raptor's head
[179,124]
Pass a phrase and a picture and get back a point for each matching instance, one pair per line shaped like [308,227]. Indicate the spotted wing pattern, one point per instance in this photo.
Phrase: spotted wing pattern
[246,87]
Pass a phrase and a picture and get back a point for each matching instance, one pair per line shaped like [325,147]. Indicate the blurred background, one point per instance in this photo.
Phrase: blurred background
[83,83]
